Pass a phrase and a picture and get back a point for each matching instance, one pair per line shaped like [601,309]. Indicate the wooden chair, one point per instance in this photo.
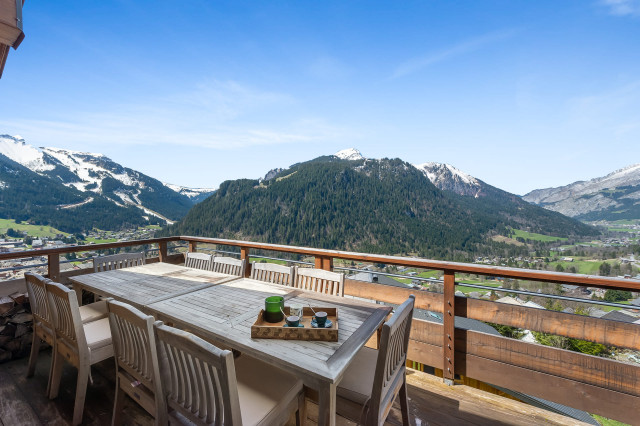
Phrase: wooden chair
[319,280]
[197,260]
[273,273]
[82,345]
[207,387]
[227,265]
[366,397]
[134,348]
[43,328]
[117,261]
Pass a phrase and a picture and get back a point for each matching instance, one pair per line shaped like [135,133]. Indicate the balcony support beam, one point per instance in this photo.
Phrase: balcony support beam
[449,322]
[54,267]
[244,255]
[324,262]
[162,251]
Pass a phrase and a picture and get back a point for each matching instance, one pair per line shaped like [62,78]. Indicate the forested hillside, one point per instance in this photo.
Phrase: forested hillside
[28,196]
[384,206]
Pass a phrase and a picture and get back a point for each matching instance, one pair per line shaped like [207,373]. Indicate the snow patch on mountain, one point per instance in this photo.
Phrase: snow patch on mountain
[438,171]
[350,154]
[448,178]
[17,149]
[193,193]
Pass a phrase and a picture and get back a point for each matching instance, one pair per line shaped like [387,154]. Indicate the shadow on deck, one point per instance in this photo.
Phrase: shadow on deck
[23,401]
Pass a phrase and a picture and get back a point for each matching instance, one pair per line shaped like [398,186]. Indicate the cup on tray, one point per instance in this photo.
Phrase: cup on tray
[293,321]
[273,306]
[321,318]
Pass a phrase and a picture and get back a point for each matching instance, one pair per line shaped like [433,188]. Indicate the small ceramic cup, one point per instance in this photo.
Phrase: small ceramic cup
[293,321]
[321,318]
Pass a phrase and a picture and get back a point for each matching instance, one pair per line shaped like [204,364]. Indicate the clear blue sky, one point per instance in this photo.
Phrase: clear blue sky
[521,94]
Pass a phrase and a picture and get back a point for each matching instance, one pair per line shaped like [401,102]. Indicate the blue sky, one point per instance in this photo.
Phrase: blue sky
[521,94]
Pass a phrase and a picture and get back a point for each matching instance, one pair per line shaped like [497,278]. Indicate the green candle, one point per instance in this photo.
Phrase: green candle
[273,306]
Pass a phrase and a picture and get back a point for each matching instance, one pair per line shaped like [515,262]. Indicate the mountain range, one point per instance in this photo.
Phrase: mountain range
[611,197]
[350,202]
[90,181]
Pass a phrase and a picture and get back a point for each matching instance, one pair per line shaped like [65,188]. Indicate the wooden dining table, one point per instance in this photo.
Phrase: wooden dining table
[141,285]
[224,312]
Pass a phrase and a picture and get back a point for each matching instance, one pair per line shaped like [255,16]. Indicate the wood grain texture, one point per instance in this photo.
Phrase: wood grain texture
[448,317]
[141,285]
[607,332]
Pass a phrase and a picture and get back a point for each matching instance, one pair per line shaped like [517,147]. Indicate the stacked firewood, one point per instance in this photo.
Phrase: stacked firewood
[15,326]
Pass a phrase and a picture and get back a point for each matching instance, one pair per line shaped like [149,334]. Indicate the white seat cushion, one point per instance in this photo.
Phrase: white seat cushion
[357,382]
[93,311]
[263,389]
[97,333]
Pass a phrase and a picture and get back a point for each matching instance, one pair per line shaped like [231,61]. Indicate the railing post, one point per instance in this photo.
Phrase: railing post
[323,262]
[244,255]
[448,319]
[54,267]
[162,252]
[193,246]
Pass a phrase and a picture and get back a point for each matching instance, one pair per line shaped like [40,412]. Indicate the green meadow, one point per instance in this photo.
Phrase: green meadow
[515,233]
[32,230]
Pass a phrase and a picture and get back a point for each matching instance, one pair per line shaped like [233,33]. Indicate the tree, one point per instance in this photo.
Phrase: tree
[605,269]
[559,268]
[617,295]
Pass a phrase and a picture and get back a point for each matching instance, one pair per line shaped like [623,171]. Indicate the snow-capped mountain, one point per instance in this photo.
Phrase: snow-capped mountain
[195,194]
[40,200]
[448,178]
[97,174]
[614,196]
[350,154]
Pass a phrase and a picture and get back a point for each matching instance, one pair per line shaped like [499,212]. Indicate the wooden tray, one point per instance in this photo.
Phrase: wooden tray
[275,330]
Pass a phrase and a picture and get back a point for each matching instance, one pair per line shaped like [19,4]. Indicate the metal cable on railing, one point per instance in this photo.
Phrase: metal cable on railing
[500,289]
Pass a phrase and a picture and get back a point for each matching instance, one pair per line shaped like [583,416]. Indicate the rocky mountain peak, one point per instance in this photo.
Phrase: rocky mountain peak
[350,154]
[448,178]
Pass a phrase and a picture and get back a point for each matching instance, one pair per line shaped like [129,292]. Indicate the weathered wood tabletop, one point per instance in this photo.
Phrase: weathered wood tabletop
[146,284]
[225,313]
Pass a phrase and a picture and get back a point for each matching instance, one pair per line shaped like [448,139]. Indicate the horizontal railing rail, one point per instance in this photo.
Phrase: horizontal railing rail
[598,385]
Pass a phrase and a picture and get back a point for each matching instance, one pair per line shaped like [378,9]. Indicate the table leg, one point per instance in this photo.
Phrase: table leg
[78,290]
[327,404]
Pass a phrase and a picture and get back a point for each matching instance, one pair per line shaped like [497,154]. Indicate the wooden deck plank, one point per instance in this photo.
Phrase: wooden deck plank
[14,408]
[430,401]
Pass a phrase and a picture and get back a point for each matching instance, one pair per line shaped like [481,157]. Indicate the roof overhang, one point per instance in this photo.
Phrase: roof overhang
[11,34]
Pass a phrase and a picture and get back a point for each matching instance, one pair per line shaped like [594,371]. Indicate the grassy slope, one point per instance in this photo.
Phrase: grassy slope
[32,230]
[535,237]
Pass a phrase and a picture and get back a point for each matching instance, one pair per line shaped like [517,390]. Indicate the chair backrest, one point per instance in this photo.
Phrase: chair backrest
[38,299]
[134,347]
[63,306]
[117,261]
[319,280]
[199,379]
[227,265]
[392,358]
[197,260]
[273,273]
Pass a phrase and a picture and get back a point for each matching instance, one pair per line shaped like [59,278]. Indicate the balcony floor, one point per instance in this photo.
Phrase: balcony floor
[23,401]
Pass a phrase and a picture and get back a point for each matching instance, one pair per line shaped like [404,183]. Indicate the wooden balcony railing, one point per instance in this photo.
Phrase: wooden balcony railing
[593,384]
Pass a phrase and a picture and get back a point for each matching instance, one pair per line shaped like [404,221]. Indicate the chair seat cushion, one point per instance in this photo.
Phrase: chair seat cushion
[357,382]
[93,311]
[263,389]
[98,333]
